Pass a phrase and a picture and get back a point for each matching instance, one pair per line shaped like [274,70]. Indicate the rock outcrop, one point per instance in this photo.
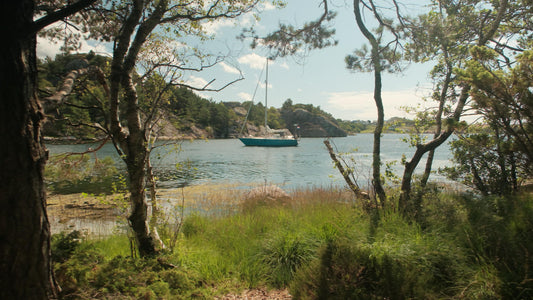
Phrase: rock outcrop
[311,125]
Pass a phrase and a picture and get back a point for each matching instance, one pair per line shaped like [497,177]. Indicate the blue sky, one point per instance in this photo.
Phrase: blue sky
[320,79]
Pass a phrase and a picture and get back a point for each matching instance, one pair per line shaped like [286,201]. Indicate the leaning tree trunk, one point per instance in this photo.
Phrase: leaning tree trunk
[421,149]
[24,228]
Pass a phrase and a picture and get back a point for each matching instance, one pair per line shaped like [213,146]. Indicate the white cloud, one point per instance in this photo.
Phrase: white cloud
[196,82]
[98,48]
[361,105]
[268,6]
[213,27]
[284,65]
[49,48]
[245,96]
[229,69]
[253,60]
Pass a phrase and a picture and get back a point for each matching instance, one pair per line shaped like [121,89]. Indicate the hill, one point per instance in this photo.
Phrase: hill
[184,114]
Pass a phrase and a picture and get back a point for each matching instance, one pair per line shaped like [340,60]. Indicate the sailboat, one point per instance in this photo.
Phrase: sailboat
[272,138]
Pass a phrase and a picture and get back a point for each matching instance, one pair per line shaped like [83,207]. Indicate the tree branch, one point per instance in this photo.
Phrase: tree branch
[52,102]
[345,174]
[59,15]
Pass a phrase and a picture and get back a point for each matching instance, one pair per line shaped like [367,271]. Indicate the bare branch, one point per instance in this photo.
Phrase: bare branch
[191,16]
[345,174]
[205,89]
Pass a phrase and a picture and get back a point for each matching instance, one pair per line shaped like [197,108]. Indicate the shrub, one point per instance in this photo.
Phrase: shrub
[63,245]
[347,272]
[75,273]
[384,269]
[498,235]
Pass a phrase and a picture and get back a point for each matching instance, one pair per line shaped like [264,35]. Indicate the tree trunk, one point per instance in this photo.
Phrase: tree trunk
[376,62]
[421,149]
[24,227]
[136,162]
[438,117]
[139,208]
[132,143]
[376,152]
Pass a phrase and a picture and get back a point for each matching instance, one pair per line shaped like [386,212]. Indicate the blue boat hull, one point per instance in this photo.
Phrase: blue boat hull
[264,142]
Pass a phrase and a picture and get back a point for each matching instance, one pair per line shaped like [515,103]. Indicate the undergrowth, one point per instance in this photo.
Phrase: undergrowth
[321,245]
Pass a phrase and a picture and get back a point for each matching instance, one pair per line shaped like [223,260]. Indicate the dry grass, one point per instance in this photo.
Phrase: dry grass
[103,213]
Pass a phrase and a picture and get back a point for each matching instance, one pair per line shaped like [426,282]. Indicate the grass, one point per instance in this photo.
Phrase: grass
[321,244]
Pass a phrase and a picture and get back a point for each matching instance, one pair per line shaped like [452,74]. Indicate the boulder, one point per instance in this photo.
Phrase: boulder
[267,195]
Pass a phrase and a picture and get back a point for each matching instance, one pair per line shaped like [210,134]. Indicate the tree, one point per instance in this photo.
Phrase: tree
[24,226]
[382,58]
[503,95]
[135,27]
[498,157]
[145,27]
[465,27]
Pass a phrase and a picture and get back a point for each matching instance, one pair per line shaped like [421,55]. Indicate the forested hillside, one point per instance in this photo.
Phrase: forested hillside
[183,113]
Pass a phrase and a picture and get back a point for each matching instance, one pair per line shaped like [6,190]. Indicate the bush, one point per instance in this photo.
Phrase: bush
[398,262]
[498,235]
[63,245]
[76,273]
[347,272]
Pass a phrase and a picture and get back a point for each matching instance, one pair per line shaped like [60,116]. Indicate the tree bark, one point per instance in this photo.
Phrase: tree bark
[133,141]
[24,227]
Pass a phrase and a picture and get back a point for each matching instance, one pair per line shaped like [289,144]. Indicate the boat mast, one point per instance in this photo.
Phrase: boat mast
[266,96]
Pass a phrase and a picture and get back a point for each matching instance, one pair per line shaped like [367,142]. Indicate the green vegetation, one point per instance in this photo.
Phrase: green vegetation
[182,108]
[393,125]
[322,245]
[73,173]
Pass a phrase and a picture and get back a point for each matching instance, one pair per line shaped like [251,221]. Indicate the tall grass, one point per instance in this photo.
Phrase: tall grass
[322,245]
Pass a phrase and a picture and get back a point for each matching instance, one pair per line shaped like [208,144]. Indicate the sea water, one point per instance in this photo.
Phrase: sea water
[228,161]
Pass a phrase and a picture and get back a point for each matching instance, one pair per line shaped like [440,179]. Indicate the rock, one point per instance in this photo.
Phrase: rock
[312,125]
[272,192]
[263,196]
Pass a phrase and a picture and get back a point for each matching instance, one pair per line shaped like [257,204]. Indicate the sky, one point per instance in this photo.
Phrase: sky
[320,78]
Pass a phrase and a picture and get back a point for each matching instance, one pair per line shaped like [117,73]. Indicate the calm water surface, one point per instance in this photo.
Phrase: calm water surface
[228,161]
